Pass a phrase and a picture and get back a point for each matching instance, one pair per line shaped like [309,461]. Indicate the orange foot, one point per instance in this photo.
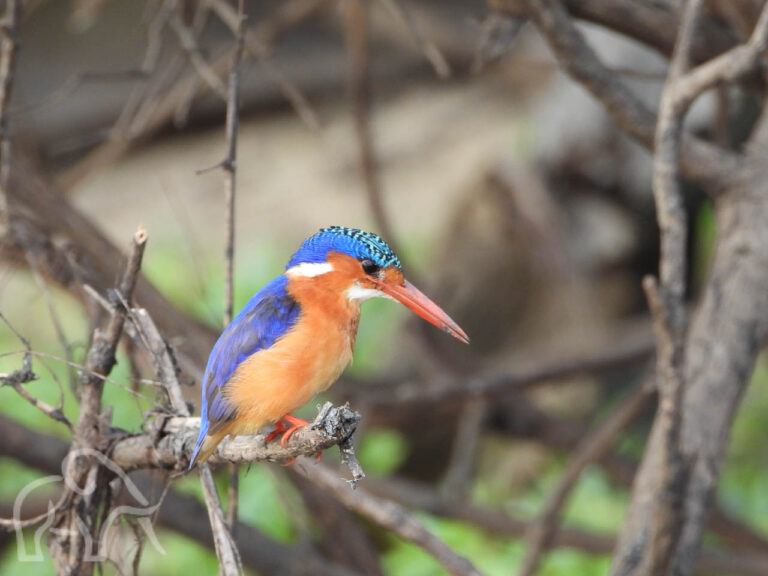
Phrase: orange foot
[280,428]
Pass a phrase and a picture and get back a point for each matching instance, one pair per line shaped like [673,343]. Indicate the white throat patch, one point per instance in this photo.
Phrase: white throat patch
[356,292]
[309,269]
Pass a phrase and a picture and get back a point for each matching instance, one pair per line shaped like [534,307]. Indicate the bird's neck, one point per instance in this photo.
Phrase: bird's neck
[326,302]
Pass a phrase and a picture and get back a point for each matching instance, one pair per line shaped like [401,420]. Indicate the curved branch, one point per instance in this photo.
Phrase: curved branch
[169,446]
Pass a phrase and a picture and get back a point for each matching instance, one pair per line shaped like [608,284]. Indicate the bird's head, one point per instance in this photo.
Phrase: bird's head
[361,266]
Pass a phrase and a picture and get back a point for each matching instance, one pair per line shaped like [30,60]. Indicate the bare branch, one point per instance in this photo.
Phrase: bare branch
[422,497]
[654,24]
[594,446]
[160,110]
[170,442]
[8,47]
[533,369]
[189,44]
[23,375]
[68,542]
[727,68]
[357,30]
[257,44]
[431,52]
[226,549]
[667,303]
[230,185]
[701,161]
[390,516]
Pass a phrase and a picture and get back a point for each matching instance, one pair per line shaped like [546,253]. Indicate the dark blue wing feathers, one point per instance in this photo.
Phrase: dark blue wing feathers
[265,318]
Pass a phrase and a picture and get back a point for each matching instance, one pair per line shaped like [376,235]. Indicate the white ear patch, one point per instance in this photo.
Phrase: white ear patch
[356,292]
[309,269]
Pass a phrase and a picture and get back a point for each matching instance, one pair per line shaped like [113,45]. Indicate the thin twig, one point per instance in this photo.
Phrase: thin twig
[77,523]
[24,375]
[226,549]
[701,161]
[464,450]
[730,67]
[229,165]
[160,108]
[541,534]
[390,516]
[55,319]
[356,27]
[188,42]
[431,52]
[258,43]
[8,49]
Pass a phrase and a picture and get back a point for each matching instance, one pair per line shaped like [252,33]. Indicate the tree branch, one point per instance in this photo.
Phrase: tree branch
[391,517]
[169,443]
[8,47]
[595,445]
[68,539]
[701,161]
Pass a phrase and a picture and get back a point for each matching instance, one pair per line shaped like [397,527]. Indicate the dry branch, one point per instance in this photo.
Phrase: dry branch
[226,549]
[8,47]
[667,304]
[702,162]
[76,524]
[159,111]
[229,165]
[357,36]
[594,446]
[169,443]
[747,563]
[180,513]
[629,347]
[654,24]
[672,493]
[390,516]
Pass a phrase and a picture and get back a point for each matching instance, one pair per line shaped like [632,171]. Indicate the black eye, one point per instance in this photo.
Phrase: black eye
[369,266]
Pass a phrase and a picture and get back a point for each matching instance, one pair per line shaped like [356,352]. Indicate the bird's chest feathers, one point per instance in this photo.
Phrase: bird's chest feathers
[302,363]
[326,338]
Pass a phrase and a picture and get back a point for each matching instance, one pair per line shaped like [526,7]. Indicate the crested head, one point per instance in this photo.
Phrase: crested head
[358,265]
[356,243]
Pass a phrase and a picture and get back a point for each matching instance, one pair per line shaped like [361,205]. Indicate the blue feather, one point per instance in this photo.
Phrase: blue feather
[351,241]
[267,316]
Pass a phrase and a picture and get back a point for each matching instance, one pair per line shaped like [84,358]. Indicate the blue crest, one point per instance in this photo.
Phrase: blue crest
[351,241]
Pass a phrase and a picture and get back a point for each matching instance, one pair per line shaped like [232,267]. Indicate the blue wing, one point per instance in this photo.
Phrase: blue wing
[269,314]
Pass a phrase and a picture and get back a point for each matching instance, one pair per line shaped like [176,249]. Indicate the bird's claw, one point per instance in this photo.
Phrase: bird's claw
[280,428]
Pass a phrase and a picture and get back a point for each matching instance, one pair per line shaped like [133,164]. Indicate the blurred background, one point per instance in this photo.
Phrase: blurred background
[510,197]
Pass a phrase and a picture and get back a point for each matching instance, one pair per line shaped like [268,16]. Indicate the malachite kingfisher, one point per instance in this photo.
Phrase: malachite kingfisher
[293,339]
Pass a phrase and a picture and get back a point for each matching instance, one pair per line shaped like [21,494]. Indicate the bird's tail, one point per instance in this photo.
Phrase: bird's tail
[206,445]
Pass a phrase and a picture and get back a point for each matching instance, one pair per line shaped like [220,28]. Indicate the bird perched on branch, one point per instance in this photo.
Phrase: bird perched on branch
[296,335]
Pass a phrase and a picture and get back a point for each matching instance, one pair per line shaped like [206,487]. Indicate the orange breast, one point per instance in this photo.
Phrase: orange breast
[303,363]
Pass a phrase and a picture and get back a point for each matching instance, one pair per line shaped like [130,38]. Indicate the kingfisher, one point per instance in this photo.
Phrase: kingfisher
[296,335]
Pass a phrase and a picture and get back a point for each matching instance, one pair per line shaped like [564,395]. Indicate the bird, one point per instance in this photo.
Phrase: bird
[294,337]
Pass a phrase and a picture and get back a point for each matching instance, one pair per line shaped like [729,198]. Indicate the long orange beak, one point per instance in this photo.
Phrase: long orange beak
[413,299]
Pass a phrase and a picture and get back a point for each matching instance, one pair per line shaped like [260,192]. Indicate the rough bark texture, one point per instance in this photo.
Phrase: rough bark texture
[724,339]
